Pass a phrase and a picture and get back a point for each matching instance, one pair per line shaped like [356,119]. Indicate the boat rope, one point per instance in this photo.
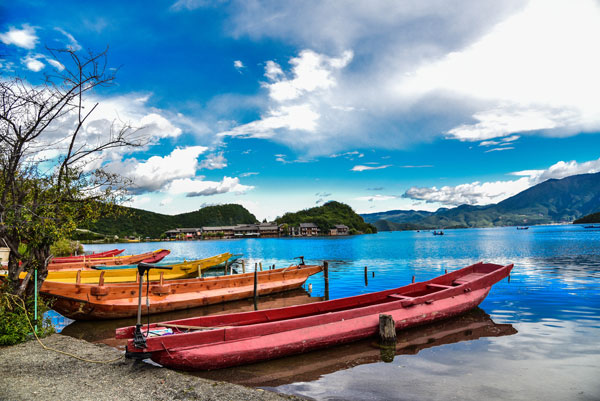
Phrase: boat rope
[22,306]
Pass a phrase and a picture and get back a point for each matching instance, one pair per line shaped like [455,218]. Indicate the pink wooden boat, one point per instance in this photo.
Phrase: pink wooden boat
[83,258]
[213,342]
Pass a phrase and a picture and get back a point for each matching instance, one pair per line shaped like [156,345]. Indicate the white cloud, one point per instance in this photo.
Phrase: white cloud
[478,193]
[166,201]
[196,187]
[248,174]
[364,168]
[24,37]
[375,198]
[238,65]
[73,44]
[56,64]
[499,149]
[158,172]
[33,63]
[214,161]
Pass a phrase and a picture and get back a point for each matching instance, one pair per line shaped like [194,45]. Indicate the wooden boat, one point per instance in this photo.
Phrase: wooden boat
[201,264]
[233,259]
[148,257]
[592,226]
[438,233]
[181,270]
[213,342]
[80,258]
[117,300]
[522,228]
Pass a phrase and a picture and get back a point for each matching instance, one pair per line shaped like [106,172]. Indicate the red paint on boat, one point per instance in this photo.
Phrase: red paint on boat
[213,342]
[81,258]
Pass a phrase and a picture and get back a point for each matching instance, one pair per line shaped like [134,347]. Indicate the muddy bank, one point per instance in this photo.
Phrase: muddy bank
[29,372]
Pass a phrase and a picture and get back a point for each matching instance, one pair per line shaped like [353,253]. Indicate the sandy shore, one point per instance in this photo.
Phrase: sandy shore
[29,372]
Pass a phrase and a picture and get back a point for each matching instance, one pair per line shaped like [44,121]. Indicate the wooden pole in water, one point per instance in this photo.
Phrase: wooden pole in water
[326,277]
[243,266]
[366,276]
[413,279]
[255,289]
[387,329]
[260,264]
[226,265]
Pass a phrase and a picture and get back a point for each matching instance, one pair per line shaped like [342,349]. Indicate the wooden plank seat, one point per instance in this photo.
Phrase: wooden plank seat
[468,278]
[398,296]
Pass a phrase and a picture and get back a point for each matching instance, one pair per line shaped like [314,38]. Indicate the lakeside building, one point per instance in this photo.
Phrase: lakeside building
[262,230]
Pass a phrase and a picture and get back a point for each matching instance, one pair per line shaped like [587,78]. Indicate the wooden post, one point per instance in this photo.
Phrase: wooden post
[387,329]
[326,277]
[255,289]
[101,279]
[226,265]
[413,279]
[260,264]
[366,276]
[243,266]
[78,277]
[231,269]
[373,273]
[445,271]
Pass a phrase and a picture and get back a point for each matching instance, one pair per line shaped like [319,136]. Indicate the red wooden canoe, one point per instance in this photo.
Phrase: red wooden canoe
[213,342]
[81,258]
[118,300]
[148,257]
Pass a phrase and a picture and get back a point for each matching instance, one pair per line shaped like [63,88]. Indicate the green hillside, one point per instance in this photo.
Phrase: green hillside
[143,223]
[590,218]
[327,216]
[386,225]
[552,201]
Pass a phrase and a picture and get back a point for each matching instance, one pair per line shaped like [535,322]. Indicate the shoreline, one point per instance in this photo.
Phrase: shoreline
[27,372]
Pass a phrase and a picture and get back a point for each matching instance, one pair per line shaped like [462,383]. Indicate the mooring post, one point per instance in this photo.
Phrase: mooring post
[387,329]
[445,271]
[243,266]
[373,273]
[255,289]
[413,279]
[326,277]
[366,277]
[260,265]
[226,266]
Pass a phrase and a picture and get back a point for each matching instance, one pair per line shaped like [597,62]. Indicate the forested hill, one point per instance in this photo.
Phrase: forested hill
[552,201]
[143,223]
[590,218]
[327,216]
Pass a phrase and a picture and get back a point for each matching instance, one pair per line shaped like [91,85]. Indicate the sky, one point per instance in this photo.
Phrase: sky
[285,105]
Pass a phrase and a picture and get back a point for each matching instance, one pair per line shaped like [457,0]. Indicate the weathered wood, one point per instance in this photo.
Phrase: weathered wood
[387,329]
[243,266]
[326,278]
[260,264]
[413,279]
[255,289]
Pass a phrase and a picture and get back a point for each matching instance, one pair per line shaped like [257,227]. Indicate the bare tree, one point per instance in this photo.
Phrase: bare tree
[48,185]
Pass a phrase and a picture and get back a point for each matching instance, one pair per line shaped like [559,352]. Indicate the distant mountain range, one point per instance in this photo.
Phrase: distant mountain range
[552,201]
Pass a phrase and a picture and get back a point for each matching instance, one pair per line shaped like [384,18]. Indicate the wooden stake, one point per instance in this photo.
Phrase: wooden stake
[260,264]
[413,279]
[78,277]
[387,329]
[226,265]
[366,276]
[101,279]
[255,289]
[243,266]
[326,277]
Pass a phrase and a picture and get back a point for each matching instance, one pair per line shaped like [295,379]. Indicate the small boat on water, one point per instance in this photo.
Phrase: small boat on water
[523,228]
[148,257]
[117,300]
[213,342]
[438,232]
[592,226]
[80,258]
[121,274]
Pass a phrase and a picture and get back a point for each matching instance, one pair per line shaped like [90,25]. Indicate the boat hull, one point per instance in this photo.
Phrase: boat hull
[227,354]
[213,342]
[149,257]
[120,300]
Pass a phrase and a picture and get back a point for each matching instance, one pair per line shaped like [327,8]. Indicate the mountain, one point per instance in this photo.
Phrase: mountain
[590,218]
[397,216]
[143,223]
[327,216]
[551,201]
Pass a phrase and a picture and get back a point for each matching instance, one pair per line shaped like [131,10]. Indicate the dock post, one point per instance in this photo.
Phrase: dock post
[387,337]
[243,266]
[366,276]
[255,289]
[413,279]
[373,273]
[260,264]
[326,277]
[226,266]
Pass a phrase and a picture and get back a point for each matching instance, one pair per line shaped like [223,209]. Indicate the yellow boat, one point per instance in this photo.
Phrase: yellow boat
[192,268]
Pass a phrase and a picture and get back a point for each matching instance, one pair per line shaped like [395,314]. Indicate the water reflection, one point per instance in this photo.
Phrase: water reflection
[313,365]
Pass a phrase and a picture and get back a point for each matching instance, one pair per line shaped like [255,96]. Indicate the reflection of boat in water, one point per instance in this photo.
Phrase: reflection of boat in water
[104,331]
[307,367]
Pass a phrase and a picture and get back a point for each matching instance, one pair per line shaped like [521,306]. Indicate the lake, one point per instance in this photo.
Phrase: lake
[535,337]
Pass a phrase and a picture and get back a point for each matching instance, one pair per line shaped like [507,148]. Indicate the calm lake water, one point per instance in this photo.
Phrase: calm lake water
[537,337]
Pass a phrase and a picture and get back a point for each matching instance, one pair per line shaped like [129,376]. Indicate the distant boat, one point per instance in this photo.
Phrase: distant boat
[592,227]
[522,228]
[219,341]
[438,232]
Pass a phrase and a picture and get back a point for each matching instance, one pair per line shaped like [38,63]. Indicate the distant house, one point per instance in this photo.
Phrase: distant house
[219,231]
[268,230]
[186,233]
[246,230]
[309,230]
[339,229]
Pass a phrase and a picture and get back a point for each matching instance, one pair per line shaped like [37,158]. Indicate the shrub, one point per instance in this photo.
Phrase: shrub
[14,324]
[65,247]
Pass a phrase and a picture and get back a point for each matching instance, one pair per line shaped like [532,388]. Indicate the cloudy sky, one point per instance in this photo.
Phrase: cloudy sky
[283,105]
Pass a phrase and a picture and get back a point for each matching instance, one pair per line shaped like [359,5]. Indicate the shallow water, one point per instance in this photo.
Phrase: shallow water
[533,338]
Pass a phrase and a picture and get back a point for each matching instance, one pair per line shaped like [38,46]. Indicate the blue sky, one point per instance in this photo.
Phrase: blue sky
[281,105]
